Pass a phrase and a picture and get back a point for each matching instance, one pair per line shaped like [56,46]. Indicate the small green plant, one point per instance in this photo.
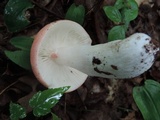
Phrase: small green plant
[147,98]
[15,19]
[21,56]
[17,111]
[15,14]
[122,13]
[76,13]
[41,103]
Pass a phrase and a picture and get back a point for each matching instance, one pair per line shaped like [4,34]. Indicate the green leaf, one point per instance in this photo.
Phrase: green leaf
[55,117]
[76,13]
[113,13]
[15,14]
[42,102]
[16,111]
[119,4]
[130,12]
[116,33]
[22,56]
[147,98]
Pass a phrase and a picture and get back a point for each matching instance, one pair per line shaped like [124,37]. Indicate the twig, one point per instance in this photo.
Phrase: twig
[43,8]
[8,87]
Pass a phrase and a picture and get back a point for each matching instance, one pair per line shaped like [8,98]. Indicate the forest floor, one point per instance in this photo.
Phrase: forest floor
[97,98]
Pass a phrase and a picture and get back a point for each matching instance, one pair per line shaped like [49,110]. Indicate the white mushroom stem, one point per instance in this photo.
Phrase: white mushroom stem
[118,59]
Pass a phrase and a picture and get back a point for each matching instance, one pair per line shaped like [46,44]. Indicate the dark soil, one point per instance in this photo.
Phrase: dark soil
[97,98]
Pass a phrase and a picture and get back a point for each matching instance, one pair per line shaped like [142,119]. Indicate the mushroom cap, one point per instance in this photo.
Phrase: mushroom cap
[62,33]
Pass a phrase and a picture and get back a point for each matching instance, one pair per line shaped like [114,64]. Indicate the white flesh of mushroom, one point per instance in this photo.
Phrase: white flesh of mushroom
[118,59]
[64,56]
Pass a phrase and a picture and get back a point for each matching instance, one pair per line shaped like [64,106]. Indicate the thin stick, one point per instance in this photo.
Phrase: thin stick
[8,87]
[43,8]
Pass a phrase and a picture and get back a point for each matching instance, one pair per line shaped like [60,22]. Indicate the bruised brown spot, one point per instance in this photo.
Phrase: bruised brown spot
[142,60]
[142,54]
[99,71]
[153,45]
[96,61]
[138,38]
[114,67]
[147,39]
[146,48]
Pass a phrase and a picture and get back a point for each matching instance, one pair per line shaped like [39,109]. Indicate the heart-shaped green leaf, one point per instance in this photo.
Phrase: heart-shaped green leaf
[113,13]
[22,56]
[147,98]
[116,33]
[55,117]
[16,111]
[76,13]
[42,102]
[15,14]
[119,4]
[130,11]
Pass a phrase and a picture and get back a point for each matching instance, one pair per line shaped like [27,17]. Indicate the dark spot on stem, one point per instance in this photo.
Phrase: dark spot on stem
[142,60]
[142,54]
[96,61]
[146,48]
[98,71]
[138,38]
[114,67]
[147,39]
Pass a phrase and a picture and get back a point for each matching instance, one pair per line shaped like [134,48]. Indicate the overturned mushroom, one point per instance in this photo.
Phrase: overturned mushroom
[62,55]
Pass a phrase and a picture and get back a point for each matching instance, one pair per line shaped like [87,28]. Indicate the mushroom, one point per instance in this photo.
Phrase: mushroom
[62,55]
